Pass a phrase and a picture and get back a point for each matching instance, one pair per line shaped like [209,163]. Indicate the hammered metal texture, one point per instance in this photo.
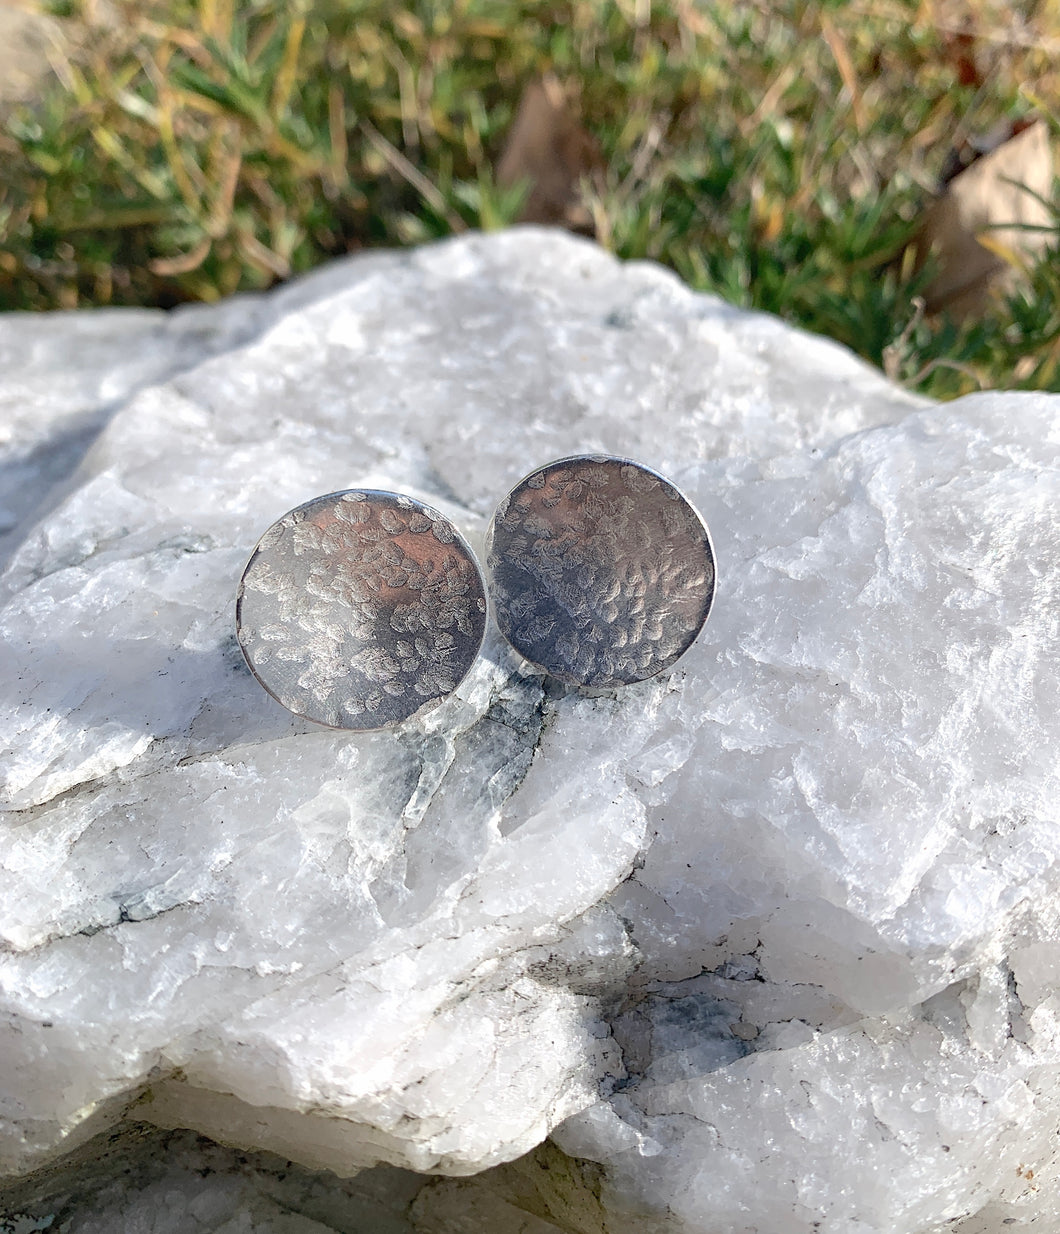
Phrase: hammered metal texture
[601,572]
[361,609]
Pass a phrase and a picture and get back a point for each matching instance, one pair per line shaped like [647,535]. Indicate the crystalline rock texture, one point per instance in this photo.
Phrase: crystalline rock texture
[770,944]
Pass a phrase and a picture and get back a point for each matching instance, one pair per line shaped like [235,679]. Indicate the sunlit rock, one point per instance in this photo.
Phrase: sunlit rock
[771,943]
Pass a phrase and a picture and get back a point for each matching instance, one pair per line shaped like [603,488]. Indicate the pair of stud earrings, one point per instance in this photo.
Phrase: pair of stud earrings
[363,609]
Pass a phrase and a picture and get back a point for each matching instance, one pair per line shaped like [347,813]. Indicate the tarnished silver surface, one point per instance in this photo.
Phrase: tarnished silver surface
[361,609]
[602,573]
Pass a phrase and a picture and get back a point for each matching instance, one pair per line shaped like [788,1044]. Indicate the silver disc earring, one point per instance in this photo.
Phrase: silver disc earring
[361,609]
[601,572]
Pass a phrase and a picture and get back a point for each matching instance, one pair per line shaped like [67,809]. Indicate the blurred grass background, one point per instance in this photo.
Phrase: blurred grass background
[776,152]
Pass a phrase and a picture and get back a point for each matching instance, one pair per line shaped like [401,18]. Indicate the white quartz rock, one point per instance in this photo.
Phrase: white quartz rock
[144,1181]
[62,384]
[776,936]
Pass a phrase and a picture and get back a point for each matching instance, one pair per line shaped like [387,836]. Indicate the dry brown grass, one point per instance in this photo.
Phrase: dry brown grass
[776,152]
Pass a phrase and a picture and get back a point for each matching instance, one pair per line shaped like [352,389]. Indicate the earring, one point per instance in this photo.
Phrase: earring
[361,609]
[601,572]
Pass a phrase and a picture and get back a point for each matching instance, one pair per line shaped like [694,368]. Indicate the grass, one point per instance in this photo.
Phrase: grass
[777,152]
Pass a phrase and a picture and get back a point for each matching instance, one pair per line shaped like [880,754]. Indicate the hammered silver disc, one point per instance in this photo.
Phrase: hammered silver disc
[361,609]
[602,572]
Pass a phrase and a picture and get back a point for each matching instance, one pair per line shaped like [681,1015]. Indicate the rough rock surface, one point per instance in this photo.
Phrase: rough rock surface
[771,944]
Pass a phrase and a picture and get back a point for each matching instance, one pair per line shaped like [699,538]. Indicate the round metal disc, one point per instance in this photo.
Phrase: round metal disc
[361,609]
[602,572]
